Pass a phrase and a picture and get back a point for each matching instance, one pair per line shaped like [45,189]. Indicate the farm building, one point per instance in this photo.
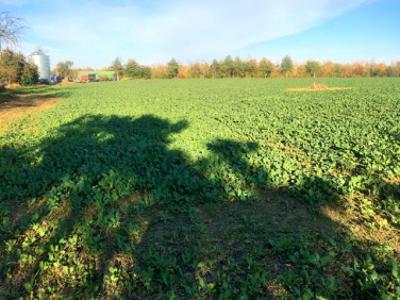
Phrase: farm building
[91,76]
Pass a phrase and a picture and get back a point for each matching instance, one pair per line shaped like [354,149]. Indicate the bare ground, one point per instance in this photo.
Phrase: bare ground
[24,105]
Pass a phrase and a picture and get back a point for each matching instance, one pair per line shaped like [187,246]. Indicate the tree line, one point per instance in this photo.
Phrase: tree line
[251,68]
[15,68]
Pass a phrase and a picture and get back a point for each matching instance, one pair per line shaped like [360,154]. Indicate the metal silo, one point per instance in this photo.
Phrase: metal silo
[42,61]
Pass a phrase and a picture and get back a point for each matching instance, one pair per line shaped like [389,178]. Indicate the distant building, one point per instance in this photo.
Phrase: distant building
[96,76]
[42,61]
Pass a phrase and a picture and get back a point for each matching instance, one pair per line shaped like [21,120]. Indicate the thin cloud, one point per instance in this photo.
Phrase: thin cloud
[12,2]
[188,30]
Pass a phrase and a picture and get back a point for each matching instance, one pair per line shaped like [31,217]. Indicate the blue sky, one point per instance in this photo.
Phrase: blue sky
[92,33]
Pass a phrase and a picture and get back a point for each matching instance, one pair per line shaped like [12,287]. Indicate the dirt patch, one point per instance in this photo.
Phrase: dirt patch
[318,87]
[394,181]
[23,106]
[359,224]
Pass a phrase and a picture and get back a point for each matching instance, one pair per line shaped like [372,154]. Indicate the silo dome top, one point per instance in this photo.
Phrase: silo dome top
[39,52]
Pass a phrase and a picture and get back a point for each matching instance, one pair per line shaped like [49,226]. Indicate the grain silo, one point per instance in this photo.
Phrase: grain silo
[42,61]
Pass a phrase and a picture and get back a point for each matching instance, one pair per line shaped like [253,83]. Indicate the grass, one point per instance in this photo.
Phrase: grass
[6,95]
[204,189]
[21,102]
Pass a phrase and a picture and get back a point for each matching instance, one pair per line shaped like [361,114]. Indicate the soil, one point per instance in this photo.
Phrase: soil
[22,106]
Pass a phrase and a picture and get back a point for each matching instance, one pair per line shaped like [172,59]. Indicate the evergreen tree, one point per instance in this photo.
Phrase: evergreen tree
[173,68]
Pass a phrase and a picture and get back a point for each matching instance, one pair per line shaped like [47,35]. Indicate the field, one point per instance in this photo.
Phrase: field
[181,189]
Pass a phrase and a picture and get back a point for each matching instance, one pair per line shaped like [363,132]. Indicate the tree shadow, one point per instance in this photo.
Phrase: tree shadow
[259,241]
[90,168]
[106,208]
[6,95]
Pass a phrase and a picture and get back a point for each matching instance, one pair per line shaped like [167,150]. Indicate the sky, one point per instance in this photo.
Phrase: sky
[94,32]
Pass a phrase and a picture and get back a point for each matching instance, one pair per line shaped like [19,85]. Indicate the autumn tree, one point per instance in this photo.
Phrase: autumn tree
[15,69]
[11,66]
[65,69]
[205,70]
[230,68]
[159,71]
[173,68]
[378,70]
[250,68]
[394,69]
[195,70]
[266,67]
[286,65]
[312,67]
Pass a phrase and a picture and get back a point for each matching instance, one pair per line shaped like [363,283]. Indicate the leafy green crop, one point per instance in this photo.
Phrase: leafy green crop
[204,189]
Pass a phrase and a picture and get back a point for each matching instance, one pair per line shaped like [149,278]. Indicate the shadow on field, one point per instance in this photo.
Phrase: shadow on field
[105,208]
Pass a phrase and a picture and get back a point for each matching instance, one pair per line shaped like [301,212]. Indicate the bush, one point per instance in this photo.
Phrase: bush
[103,78]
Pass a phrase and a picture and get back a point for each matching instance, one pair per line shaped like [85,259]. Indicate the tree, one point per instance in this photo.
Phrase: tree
[378,70]
[195,70]
[11,66]
[30,74]
[173,68]
[146,72]
[338,70]
[394,70]
[65,69]
[15,69]
[205,70]
[159,71]
[228,67]
[266,67]
[286,65]
[215,69]
[135,70]
[117,67]
[132,69]
[10,29]
[312,67]
[238,67]
[250,68]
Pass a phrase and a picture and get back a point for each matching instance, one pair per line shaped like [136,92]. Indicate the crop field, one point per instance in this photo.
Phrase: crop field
[204,189]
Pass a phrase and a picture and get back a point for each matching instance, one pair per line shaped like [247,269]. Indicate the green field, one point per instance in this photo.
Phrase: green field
[188,189]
